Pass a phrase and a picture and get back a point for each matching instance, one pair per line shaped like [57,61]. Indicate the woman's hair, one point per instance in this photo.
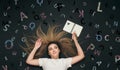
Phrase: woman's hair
[53,34]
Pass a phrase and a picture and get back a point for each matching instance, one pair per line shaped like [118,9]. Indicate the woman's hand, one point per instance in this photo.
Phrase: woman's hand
[74,36]
[38,43]
[30,59]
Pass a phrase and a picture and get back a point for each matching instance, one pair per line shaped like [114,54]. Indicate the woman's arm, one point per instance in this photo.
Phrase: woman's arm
[80,55]
[30,59]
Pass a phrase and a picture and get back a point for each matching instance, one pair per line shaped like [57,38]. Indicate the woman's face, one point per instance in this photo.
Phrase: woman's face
[53,51]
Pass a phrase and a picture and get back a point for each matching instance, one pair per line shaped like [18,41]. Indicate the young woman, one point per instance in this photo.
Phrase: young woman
[54,48]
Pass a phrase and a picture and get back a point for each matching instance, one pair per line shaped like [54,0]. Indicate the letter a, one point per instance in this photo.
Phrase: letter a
[22,15]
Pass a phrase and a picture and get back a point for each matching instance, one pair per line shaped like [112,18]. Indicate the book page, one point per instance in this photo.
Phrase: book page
[68,26]
[77,29]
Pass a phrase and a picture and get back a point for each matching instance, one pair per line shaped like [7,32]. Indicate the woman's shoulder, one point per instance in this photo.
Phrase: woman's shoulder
[43,58]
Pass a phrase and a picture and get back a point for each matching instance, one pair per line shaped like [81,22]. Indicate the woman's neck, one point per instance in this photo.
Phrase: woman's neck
[54,57]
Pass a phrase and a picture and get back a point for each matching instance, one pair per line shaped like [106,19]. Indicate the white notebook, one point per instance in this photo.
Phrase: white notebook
[71,27]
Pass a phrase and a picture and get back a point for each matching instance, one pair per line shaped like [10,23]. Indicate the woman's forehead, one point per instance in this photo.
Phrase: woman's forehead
[52,45]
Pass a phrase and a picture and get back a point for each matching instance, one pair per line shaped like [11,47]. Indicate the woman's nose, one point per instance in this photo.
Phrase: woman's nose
[53,50]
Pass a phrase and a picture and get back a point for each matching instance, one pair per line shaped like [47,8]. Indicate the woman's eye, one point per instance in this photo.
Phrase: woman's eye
[56,47]
[50,48]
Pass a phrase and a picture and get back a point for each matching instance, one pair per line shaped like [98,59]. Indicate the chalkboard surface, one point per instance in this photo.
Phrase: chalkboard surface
[100,37]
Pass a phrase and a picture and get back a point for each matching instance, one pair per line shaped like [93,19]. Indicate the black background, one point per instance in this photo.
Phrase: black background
[101,30]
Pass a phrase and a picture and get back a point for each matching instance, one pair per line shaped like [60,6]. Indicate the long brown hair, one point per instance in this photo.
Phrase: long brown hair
[53,34]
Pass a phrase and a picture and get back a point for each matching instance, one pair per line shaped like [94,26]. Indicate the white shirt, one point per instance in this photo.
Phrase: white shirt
[55,64]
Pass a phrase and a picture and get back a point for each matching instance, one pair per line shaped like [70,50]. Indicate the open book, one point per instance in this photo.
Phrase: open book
[71,27]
